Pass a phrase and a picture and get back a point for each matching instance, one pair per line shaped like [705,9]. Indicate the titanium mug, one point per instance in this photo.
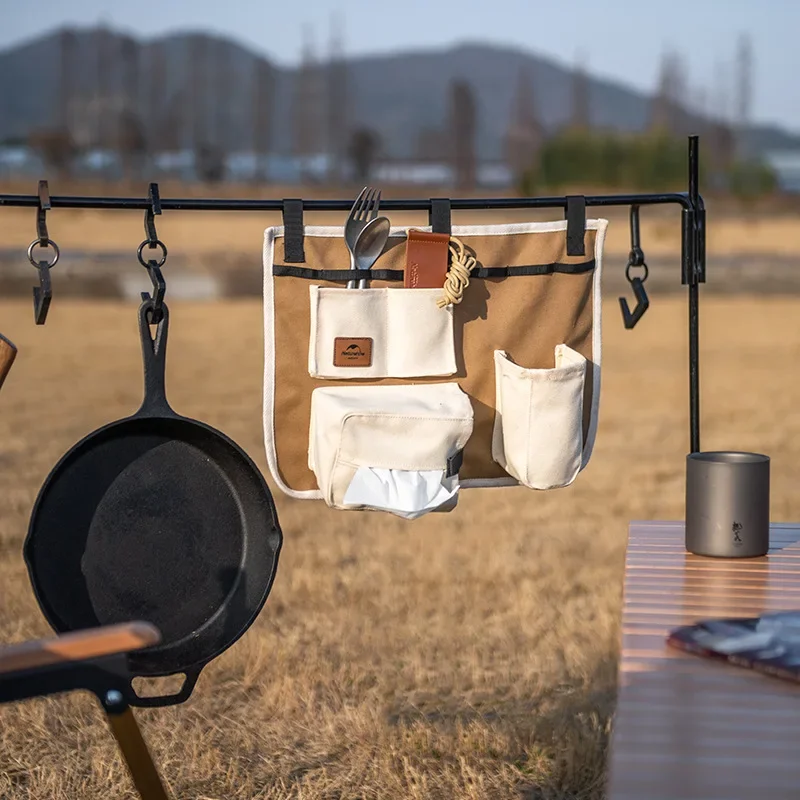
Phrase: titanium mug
[727,504]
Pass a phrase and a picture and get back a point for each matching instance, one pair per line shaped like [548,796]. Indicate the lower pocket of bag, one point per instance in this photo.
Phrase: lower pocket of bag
[392,448]
[538,428]
[379,333]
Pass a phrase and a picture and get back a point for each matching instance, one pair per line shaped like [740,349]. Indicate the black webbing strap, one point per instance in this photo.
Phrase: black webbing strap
[576,224]
[454,463]
[439,215]
[533,269]
[285,271]
[293,231]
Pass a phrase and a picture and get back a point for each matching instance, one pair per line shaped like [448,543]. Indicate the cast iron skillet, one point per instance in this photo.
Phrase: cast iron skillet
[161,518]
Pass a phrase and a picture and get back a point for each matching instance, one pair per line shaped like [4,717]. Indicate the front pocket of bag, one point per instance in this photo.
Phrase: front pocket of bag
[379,333]
[538,428]
[392,448]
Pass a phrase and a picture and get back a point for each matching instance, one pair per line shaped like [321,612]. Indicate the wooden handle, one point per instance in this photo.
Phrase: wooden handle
[78,646]
[8,352]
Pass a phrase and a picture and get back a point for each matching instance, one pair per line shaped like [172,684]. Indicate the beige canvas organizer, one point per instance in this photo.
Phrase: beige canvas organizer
[517,361]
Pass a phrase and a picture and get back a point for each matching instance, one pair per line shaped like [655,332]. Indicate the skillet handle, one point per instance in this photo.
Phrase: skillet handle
[159,701]
[154,359]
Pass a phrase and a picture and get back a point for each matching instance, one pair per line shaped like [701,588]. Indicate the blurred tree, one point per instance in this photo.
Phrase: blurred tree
[263,100]
[105,46]
[209,157]
[721,149]
[129,137]
[209,163]
[752,179]
[67,80]
[130,68]
[462,126]
[720,98]
[55,147]
[580,117]
[224,134]
[668,105]
[307,125]
[198,97]
[525,134]
[574,158]
[160,136]
[744,93]
[659,161]
[567,159]
[337,121]
[221,90]
[431,145]
[131,143]
[363,150]
[612,168]
[173,130]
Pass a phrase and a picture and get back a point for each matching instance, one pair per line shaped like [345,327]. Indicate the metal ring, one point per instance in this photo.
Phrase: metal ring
[40,264]
[153,246]
[628,271]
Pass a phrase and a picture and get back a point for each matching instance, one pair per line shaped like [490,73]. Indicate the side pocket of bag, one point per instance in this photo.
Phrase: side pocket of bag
[538,427]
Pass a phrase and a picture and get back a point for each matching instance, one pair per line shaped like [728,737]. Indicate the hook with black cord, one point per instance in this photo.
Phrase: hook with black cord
[152,265]
[43,293]
[635,259]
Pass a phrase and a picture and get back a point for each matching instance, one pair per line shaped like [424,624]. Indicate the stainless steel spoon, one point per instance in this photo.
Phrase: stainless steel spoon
[369,245]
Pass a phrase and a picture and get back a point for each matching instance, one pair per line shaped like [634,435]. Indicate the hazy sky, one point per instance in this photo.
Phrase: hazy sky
[620,39]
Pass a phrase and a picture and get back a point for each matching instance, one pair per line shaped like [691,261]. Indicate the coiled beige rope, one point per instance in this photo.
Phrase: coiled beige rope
[461,265]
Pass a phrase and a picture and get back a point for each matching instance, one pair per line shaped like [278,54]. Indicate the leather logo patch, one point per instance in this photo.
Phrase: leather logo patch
[352,352]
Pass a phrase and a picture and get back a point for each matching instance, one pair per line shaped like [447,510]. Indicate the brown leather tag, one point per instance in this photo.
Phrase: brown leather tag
[352,352]
[426,260]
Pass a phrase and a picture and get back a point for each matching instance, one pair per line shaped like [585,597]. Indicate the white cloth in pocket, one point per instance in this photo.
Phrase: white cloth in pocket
[538,426]
[379,333]
[393,448]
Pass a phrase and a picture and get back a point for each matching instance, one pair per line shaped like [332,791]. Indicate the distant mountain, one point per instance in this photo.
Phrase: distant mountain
[399,94]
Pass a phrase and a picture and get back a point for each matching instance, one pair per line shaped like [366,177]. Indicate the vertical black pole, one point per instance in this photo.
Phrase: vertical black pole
[691,273]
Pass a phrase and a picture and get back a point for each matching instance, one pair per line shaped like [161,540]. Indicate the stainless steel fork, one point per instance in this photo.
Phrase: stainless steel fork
[364,209]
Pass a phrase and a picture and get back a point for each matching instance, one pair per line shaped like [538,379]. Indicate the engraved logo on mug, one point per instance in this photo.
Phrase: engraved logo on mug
[736,529]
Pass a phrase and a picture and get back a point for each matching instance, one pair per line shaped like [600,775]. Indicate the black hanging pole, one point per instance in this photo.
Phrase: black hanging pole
[692,240]
[694,273]
[457,204]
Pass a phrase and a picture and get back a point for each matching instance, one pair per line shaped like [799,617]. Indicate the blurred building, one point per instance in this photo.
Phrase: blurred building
[786,166]
[23,162]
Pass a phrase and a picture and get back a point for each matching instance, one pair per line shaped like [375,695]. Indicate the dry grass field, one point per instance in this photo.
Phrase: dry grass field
[467,655]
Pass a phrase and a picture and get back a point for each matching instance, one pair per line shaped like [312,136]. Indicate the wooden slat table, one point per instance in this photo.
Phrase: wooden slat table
[686,727]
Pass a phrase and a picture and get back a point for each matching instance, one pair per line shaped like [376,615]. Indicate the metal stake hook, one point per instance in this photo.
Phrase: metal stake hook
[152,265]
[43,293]
[635,259]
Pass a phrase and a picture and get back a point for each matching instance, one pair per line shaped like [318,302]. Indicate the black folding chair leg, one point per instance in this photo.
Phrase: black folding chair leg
[136,754]
[93,660]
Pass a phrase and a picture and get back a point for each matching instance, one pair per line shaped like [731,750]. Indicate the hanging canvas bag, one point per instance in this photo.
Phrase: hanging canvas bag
[389,398]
